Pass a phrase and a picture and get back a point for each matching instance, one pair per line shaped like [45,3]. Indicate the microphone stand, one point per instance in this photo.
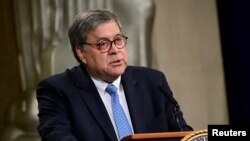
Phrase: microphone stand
[176,107]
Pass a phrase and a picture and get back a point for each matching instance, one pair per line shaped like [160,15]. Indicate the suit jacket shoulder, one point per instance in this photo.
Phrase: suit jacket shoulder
[144,76]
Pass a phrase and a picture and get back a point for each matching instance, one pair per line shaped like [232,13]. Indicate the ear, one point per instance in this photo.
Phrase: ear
[81,54]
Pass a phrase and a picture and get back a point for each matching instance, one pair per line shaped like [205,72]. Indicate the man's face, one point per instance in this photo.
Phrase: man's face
[109,65]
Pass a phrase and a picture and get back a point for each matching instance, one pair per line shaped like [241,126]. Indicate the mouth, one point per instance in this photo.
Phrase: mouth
[117,62]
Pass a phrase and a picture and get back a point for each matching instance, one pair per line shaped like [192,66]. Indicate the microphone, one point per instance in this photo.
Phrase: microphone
[176,112]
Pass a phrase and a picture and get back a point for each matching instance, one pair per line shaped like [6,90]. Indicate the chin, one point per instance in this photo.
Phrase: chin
[117,72]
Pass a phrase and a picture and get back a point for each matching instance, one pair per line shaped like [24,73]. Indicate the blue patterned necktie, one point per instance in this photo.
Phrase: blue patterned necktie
[121,121]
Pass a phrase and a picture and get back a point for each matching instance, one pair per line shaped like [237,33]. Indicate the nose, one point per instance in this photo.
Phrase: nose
[113,48]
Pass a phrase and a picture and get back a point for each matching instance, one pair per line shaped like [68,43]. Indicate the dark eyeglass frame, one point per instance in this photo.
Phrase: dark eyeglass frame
[98,45]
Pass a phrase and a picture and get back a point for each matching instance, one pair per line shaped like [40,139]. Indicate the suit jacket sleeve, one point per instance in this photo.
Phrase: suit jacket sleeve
[52,114]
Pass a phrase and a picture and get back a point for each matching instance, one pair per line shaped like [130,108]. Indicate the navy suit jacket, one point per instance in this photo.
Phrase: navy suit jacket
[70,107]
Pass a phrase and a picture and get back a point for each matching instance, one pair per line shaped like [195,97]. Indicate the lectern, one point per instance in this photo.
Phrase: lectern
[168,135]
[163,135]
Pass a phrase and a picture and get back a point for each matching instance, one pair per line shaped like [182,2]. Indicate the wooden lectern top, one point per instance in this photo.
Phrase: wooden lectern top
[163,135]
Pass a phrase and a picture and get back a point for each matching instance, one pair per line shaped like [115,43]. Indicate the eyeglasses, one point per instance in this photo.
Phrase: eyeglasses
[105,45]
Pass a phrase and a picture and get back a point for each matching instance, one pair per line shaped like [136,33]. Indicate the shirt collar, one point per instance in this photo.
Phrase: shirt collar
[101,85]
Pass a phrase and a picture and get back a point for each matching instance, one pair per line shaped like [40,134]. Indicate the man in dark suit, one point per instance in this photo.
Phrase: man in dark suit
[76,105]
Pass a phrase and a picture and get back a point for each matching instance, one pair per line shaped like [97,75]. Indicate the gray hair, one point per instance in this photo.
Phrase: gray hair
[86,21]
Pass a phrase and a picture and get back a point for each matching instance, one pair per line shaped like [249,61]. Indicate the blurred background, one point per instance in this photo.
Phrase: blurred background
[201,46]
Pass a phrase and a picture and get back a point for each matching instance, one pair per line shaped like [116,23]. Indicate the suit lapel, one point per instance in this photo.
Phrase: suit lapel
[93,101]
[134,100]
[97,108]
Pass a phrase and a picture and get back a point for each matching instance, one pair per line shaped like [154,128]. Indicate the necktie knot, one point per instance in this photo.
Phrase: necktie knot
[111,89]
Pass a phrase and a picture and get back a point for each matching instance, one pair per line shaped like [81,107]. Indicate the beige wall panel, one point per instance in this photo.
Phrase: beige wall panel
[186,47]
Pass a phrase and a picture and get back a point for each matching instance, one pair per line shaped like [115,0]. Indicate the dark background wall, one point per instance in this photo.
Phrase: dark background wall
[234,19]
[9,71]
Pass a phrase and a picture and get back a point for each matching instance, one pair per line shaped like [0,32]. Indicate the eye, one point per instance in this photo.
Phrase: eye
[103,44]
[118,41]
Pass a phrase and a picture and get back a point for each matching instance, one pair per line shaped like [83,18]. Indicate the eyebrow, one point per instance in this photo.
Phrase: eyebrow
[104,38]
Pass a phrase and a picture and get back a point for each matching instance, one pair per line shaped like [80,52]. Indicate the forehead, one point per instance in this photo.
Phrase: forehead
[106,29]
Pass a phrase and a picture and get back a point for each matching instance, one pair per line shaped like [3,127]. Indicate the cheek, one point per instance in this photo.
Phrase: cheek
[125,55]
[100,60]
[95,58]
